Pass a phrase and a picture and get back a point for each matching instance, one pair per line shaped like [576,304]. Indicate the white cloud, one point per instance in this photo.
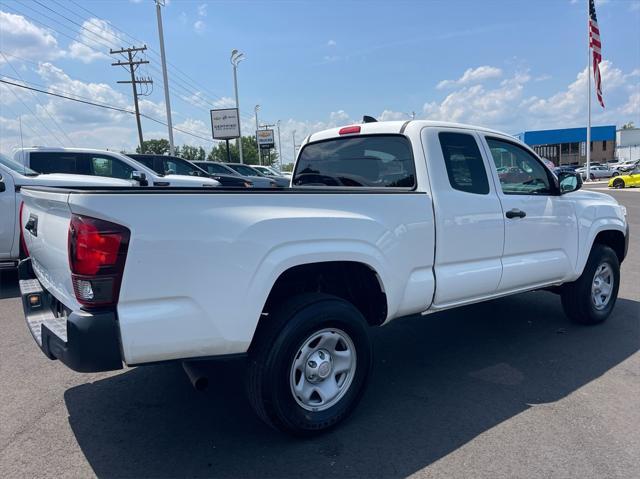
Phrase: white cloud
[199,26]
[202,10]
[24,39]
[331,43]
[632,107]
[472,75]
[92,41]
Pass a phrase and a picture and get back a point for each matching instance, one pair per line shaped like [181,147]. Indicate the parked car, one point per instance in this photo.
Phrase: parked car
[626,180]
[101,163]
[383,220]
[595,172]
[171,165]
[222,168]
[251,172]
[269,172]
[226,176]
[624,167]
[564,169]
[13,177]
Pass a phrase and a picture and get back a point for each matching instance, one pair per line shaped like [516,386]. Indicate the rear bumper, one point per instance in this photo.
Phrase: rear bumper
[84,341]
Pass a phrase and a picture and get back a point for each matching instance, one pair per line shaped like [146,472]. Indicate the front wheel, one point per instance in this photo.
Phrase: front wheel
[309,364]
[590,299]
[618,183]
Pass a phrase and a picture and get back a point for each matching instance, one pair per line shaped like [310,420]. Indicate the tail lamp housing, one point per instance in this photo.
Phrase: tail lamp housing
[97,254]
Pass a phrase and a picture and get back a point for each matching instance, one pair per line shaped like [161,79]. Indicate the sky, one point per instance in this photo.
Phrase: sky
[511,65]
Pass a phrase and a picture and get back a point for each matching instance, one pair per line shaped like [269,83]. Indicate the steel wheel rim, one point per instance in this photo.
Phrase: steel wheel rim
[602,286]
[323,369]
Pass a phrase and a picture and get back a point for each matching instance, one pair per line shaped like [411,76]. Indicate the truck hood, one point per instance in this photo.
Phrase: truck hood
[183,180]
[63,179]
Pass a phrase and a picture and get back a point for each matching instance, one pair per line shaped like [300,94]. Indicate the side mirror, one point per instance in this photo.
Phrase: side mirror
[569,182]
[140,177]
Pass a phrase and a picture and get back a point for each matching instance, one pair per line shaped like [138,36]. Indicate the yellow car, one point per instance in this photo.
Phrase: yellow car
[627,180]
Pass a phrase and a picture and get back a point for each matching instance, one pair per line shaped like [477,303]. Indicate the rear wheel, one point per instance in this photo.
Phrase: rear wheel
[615,173]
[592,177]
[309,364]
[618,183]
[591,298]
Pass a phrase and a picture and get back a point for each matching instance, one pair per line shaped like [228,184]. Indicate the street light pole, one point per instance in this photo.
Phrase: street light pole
[165,78]
[257,107]
[236,58]
[279,145]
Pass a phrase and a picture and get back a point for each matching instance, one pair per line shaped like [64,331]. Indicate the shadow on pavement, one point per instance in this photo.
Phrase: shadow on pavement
[9,284]
[439,382]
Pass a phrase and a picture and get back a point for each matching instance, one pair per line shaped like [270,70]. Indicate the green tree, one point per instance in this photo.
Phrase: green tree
[159,147]
[192,153]
[249,152]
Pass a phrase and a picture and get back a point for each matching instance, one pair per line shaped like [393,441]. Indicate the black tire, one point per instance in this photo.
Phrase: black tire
[615,173]
[592,177]
[618,183]
[577,299]
[275,347]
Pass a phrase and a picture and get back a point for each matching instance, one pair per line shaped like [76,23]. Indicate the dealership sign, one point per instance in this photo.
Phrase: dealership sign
[225,124]
[265,139]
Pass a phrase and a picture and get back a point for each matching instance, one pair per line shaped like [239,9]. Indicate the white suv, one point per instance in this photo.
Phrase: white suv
[110,164]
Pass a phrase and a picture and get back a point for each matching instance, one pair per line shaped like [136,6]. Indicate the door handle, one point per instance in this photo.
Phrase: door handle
[515,213]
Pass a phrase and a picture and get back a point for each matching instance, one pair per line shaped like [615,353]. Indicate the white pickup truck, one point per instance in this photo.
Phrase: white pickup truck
[14,176]
[383,220]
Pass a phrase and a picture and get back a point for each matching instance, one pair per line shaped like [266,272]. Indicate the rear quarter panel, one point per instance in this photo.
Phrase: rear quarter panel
[200,267]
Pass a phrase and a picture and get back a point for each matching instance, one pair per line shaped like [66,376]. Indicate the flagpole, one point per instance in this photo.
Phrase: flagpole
[588,148]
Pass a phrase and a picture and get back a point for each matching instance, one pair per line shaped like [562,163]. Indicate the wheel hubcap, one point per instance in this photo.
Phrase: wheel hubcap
[323,369]
[602,286]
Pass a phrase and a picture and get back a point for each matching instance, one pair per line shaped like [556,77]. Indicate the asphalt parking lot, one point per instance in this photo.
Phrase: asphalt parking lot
[507,388]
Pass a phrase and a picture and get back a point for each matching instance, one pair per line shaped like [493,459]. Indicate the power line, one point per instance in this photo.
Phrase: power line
[110,107]
[193,84]
[44,108]
[107,43]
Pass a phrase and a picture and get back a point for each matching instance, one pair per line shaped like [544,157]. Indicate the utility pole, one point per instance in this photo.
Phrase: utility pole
[257,107]
[279,145]
[131,65]
[165,77]
[294,146]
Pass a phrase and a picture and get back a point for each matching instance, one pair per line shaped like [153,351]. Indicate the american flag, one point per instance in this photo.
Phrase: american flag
[594,43]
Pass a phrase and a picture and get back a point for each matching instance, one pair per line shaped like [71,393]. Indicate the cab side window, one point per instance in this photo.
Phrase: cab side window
[111,167]
[520,172]
[53,162]
[464,164]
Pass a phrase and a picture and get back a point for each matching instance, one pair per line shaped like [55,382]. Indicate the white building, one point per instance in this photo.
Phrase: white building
[628,144]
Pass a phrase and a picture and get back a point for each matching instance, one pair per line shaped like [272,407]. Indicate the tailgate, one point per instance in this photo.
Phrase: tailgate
[45,226]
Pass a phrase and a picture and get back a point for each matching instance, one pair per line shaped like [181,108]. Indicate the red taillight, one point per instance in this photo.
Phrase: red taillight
[347,130]
[97,253]
[22,241]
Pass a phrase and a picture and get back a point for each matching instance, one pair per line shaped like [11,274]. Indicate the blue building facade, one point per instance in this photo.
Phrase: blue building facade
[568,145]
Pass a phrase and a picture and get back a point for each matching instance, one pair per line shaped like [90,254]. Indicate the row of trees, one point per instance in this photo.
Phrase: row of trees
[217,153]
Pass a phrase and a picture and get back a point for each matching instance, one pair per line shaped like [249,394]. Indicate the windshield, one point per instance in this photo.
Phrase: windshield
[220,169]
[17,167]
[246,170]
[178,166]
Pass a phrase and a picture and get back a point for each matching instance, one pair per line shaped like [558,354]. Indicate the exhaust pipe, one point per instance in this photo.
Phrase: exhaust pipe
[196,374]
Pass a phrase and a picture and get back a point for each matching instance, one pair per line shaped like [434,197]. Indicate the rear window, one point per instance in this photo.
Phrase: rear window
[376,161]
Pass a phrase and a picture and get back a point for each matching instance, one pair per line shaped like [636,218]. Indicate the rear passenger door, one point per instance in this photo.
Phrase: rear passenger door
[468,215]
[541,234]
